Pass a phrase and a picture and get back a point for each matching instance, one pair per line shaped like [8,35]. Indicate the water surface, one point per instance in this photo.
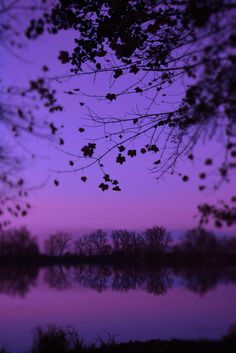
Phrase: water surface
[133,304]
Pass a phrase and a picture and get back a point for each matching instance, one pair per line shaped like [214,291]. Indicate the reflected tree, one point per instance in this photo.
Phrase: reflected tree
[17,280]
[95,277]
[200,280]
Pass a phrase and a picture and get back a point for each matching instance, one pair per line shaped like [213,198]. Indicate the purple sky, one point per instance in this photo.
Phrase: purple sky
[77,207]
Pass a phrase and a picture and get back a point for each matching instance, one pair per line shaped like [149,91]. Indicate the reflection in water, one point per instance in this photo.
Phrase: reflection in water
[155,281]
[58,277]
[201,279]
[152,280]
[136,302]
[17,280]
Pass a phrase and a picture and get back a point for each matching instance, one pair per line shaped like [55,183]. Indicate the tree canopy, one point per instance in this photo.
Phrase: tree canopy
[20,114]
[176,56]
[155,48]
[159,43]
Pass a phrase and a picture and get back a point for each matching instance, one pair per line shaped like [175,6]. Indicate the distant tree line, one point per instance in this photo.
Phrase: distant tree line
[121,260]
[153,243]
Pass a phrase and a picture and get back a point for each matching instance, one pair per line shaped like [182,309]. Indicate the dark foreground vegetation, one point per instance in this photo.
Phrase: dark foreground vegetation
[66,340]
[152,245]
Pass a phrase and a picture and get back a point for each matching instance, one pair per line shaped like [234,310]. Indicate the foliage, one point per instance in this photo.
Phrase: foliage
[18,243]
[199,241]
[221,214]
[56,339]
[65,340]
[154,45]
[154,50]
[20,116]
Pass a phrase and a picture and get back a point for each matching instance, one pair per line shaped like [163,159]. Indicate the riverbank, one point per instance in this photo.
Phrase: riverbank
[66,340]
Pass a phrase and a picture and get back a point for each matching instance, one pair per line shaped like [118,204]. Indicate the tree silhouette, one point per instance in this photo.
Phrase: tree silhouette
[153,241]
[157,43]
[156,240]
[125,242]
[94,244]
[54,338]
[154,49]
[18,243]
[19,110]
[58,244]
[199,241]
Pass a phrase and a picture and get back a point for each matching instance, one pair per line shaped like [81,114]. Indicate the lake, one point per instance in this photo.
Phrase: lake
[131,303]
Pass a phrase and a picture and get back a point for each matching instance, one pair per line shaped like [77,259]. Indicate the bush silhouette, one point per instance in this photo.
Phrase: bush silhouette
[18,243]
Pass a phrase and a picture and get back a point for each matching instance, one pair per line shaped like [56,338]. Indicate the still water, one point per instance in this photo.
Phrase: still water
[133,304]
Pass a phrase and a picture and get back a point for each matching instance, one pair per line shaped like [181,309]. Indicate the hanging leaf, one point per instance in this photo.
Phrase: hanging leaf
[116,188]
[84,179]
[120,159]
[104,187]
[131,153]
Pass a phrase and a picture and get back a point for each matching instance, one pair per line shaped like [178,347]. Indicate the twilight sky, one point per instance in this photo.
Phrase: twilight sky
[75,206]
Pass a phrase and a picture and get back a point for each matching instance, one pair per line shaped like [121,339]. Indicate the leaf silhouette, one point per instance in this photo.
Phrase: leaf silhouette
[121,148]
[107,178]
[116,188]
[208,161]
[118,73]
[64,57]
[104,187]
[111,96]
[120,159]
[131,153]
[88,150]
[84,178]
[185,178]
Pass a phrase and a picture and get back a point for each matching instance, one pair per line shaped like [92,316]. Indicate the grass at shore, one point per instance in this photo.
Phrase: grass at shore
[55,339]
